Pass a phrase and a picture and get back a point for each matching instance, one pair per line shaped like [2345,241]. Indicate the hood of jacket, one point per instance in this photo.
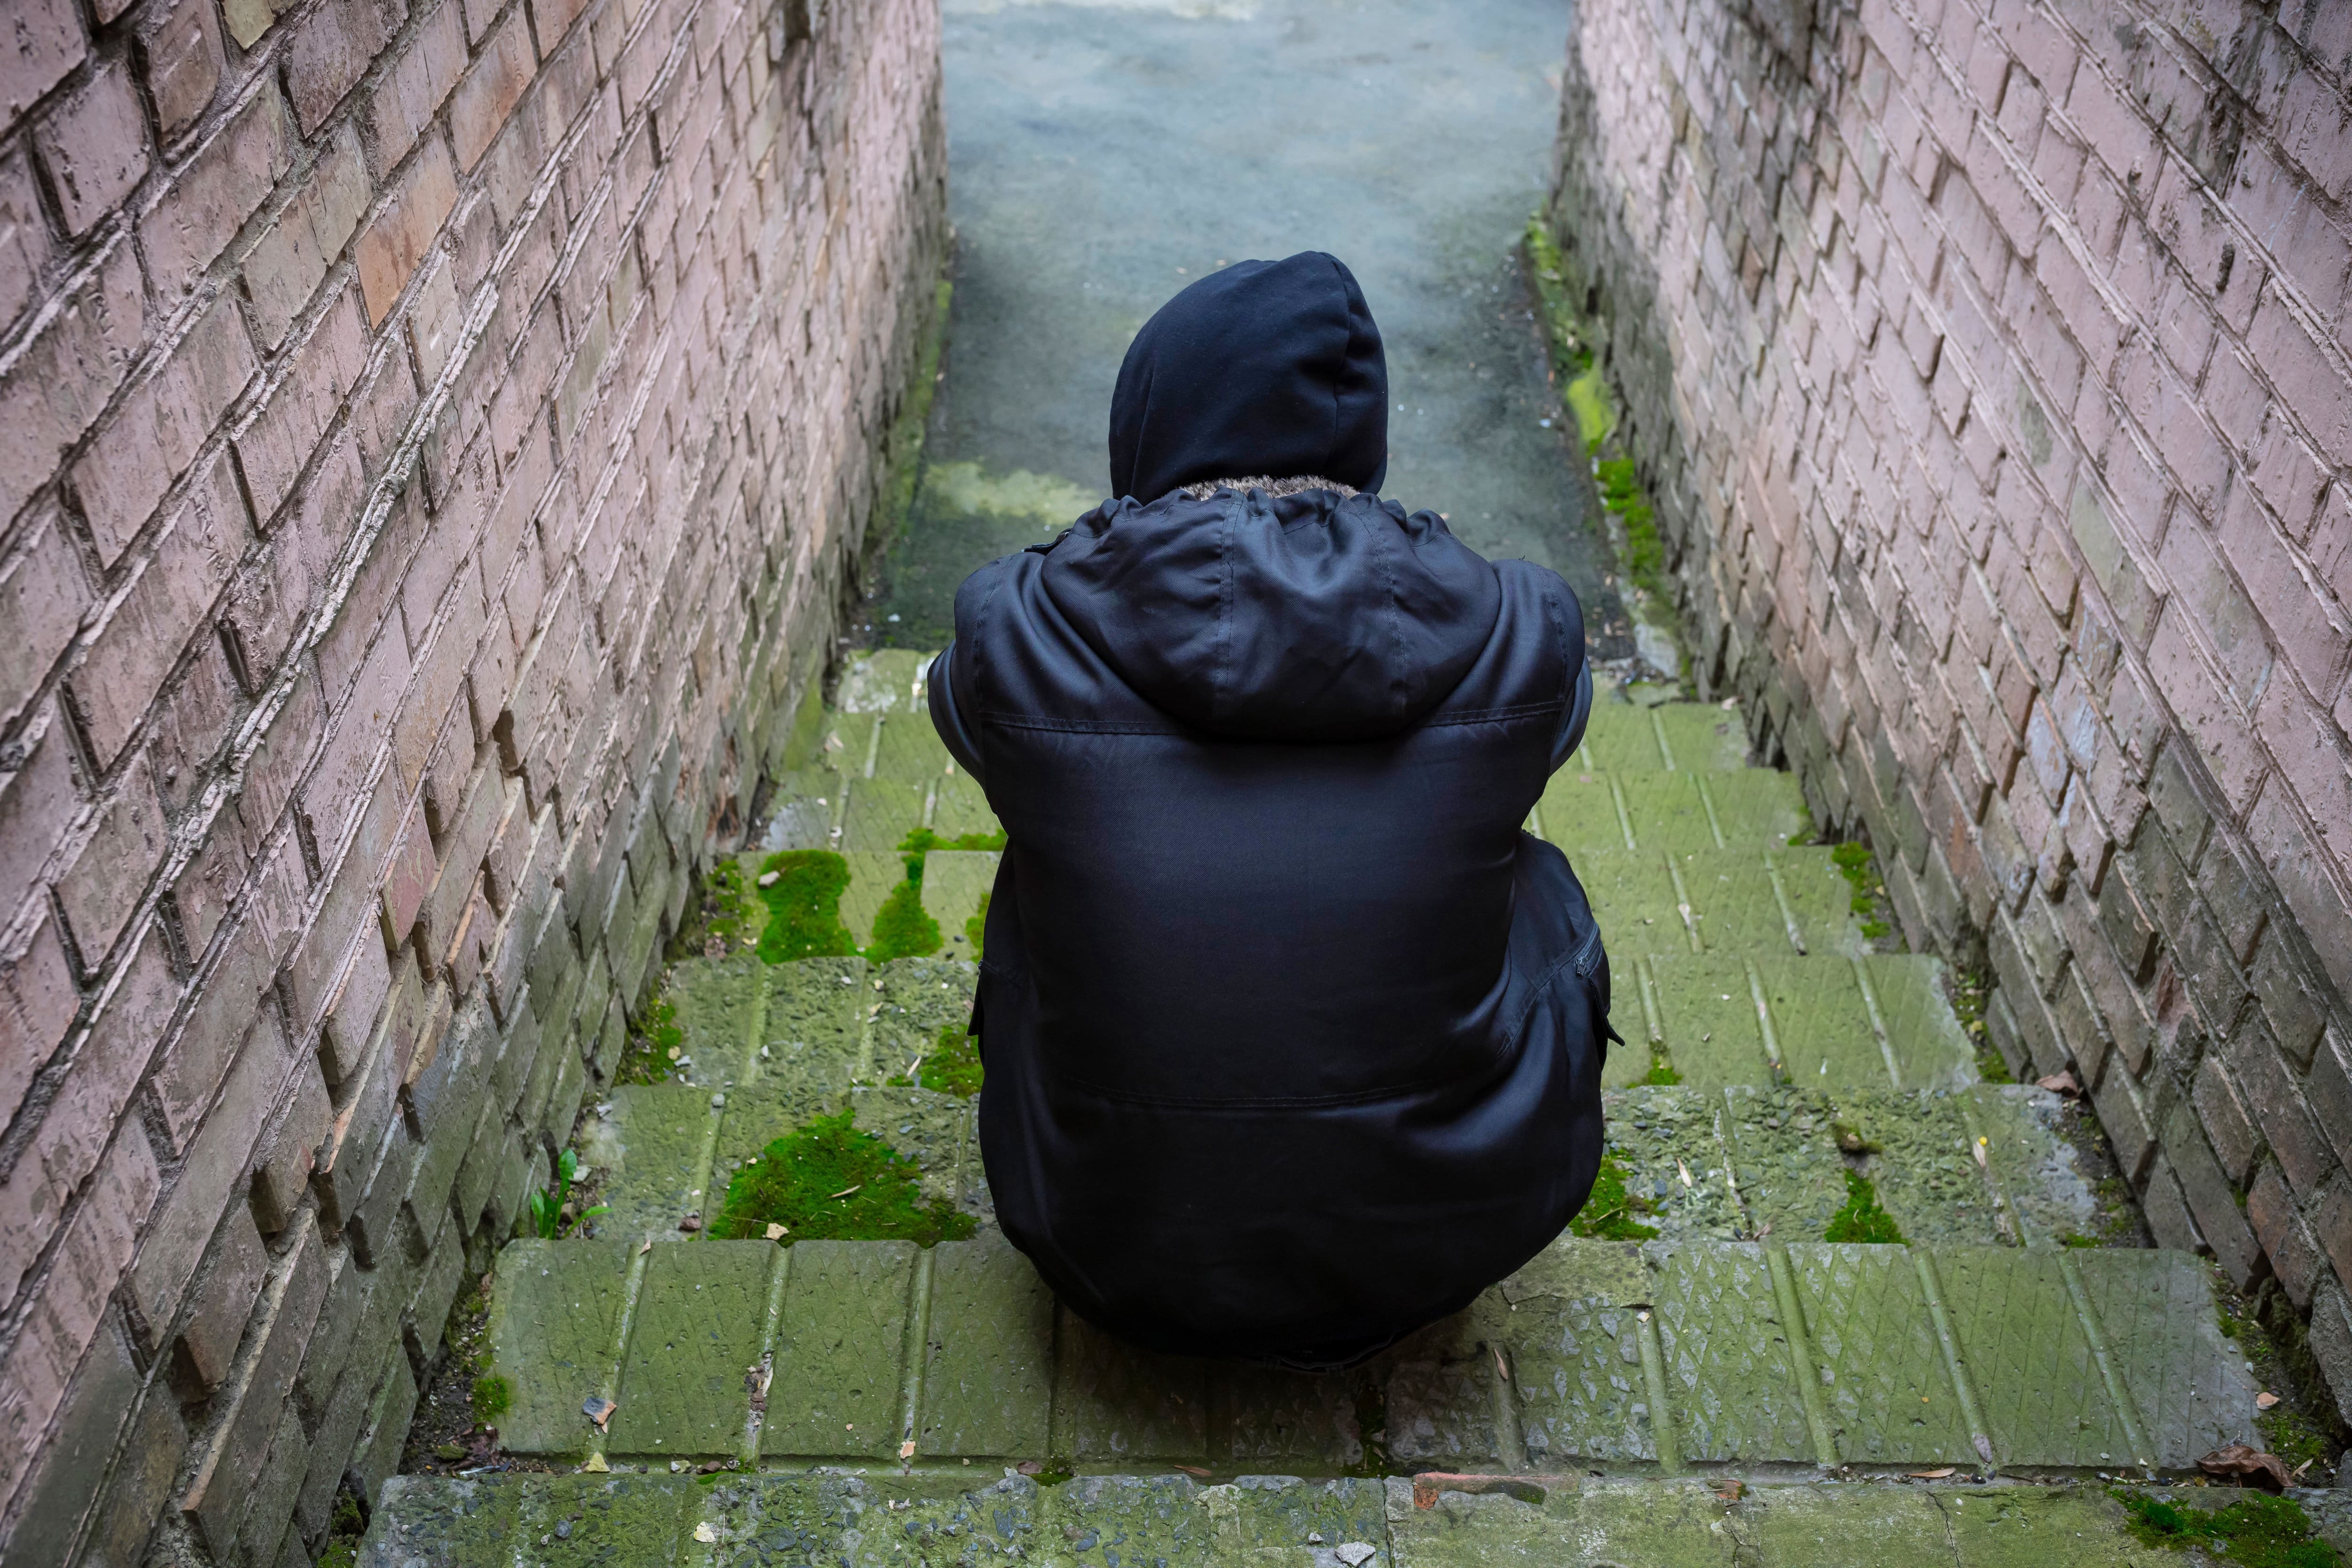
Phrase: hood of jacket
[1263,367]
[1303,617]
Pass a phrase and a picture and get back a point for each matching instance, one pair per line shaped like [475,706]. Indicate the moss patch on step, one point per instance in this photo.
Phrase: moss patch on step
[1853,862]
[1861,1219]
[828,1181]
[2256,1531]
[803,888]
[1608,1214]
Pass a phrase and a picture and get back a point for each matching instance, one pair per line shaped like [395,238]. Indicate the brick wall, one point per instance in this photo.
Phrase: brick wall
[1988,360]
[432,433]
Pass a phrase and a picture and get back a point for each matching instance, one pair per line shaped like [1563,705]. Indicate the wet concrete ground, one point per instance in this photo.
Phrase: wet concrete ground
[1103,156]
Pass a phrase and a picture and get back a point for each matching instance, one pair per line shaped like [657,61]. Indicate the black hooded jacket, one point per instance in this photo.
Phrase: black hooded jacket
[1294,1038]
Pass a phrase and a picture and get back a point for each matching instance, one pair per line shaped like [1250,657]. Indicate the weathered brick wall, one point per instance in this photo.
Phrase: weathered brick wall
[431,435]
[1988,360]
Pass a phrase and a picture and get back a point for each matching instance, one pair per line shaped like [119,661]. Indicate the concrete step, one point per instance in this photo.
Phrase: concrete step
[1653,1357]
[970,1516]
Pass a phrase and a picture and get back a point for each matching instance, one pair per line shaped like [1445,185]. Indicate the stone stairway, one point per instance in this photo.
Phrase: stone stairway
[877,1401]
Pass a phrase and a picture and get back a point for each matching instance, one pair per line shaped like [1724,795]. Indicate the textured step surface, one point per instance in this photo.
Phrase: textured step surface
[1666,1354]
[935,1519]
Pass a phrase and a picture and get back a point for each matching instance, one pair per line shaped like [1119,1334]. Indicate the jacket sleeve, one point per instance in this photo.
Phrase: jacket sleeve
[1571,724]
[951,699]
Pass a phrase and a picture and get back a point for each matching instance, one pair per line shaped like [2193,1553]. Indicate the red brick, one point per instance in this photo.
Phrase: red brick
[334,49]
[491,90]
[43,593]
[37,1001]
[282,1171]
[44,41]
[93,141]
[351,1010]
[2312,633]
[162,605]
[64,1316]
[2224,738]
[394,245]
[2310,755]
[63,377]
[219,186]
[180,52]
[103,1069]
[2286,1240]
[275,442]
[216,1160]
[27,246]
[294,253]
[409,876]
[2305,379]
[361,725]
[410,94]
[2302,870]
[104,881]
[202,1351]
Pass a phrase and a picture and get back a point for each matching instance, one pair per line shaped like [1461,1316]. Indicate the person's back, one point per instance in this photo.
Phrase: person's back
[1294,1040]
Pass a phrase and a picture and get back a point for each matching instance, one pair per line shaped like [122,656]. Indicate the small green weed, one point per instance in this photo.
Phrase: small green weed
[804,906]
[546,1204]
[492,1398]
[1661,1071]
[1608,1214]
[902,929]
[2076,1238]
[2255,1532]
[1861,1219]
[829,1182]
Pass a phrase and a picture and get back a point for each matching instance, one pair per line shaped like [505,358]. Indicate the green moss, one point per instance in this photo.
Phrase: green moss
[902,928]
[922,841]
[1861,1219]
[1968,997]
[1608,1214]
[828,1181]
[977,927]
[492,1398]
[804,906]
[1548,271]
[952,1067]
[2076,1238]
[654,1034]
[1594,410]
[1622,495]
[1661,1071]
[2255,1532]
[345,1529]
[1869,901]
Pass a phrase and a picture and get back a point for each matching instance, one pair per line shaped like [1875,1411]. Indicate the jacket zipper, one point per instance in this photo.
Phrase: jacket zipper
[1586,953]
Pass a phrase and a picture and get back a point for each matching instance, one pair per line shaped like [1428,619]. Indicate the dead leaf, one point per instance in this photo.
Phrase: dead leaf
[846,1191]
[705,1531]
[2248,1467]
[596,1465]
[1193,1470]
[2265,1399]
[690,1224]
[1932,1475]
[648,1246]
[907,1449]
[1031,1467]
[599,1409]
[2063,1081]
[775,1232]
[1730,1491]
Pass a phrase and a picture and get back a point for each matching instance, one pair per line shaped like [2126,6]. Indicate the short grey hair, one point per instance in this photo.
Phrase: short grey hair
[1289,486]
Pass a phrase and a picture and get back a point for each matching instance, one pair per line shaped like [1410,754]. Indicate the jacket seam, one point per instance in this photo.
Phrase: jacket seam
[1124,726]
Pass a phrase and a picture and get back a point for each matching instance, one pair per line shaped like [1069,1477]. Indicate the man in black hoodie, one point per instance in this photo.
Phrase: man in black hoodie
[1294,1038]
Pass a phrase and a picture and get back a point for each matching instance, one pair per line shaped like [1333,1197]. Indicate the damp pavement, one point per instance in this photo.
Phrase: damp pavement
[1101,156]
[1705,1380]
